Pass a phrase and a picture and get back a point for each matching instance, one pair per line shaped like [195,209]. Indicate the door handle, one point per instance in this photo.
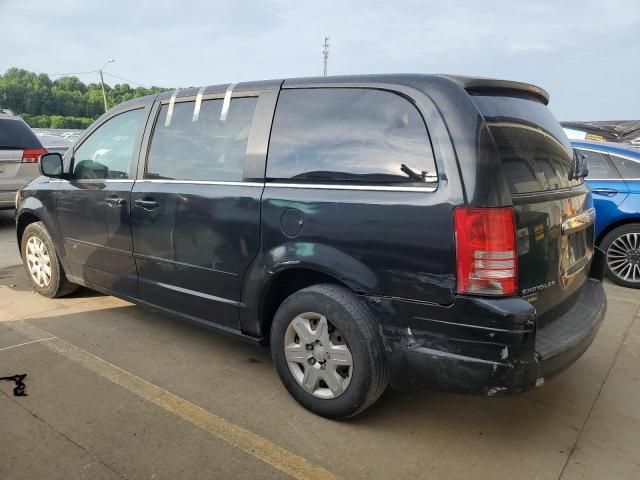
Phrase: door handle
[115,201]
[146,204]
[607,192]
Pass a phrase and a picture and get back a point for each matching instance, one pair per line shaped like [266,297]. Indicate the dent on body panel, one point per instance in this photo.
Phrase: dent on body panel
[325,259]
[468,346]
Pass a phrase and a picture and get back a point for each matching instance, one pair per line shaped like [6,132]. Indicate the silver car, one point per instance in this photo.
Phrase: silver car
[54,143]
[19,153]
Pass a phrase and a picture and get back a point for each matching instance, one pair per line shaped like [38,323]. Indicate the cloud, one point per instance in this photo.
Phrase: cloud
[584,52]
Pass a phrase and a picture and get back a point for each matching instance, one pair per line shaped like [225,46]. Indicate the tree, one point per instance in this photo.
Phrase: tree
[66,102]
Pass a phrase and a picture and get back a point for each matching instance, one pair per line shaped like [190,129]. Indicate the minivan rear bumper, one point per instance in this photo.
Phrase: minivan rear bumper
[485,346]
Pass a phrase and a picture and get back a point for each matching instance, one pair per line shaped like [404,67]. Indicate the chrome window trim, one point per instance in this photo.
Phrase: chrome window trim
[94,180]
[317,186]
[212,96]
[202,182]
[375,188]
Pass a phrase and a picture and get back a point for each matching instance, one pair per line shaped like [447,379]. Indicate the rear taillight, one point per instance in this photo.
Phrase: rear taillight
[486,253]
[31,155]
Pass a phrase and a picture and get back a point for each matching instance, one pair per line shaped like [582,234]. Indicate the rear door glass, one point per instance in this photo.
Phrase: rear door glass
[209,146]
[535,152]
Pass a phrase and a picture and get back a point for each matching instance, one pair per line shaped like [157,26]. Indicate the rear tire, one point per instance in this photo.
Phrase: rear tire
[335,374]
[622,249]
[42,263]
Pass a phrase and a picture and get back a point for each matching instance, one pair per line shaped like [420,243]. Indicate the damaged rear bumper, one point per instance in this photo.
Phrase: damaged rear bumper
[484,346]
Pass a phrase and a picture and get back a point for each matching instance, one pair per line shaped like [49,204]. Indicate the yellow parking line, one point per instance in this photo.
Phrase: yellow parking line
[249,442]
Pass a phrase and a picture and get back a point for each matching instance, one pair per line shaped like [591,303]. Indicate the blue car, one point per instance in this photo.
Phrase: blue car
[614,178]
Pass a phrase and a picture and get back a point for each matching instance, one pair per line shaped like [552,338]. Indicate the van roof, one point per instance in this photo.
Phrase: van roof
[471,84]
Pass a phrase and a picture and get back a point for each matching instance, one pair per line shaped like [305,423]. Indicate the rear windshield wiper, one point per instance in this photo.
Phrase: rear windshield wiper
[423,176]
[580,168]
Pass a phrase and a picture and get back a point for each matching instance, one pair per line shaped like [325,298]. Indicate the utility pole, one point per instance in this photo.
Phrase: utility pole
[104,92]
[325,54]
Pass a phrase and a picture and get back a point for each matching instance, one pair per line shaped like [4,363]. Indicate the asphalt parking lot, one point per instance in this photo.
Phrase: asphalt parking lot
[117,391]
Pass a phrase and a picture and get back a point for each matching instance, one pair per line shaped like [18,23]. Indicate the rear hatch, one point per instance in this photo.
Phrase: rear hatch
[553,209]
[19,151]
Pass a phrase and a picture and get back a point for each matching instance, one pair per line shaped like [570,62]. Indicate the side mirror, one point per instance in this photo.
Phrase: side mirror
[51,165]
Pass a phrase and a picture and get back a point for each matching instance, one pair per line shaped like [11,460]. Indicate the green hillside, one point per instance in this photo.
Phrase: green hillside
[65,102]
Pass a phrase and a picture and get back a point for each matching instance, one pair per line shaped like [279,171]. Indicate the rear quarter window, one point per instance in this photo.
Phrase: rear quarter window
[629,169]
[599,165]
[534,150]
[349,136]
[16,134]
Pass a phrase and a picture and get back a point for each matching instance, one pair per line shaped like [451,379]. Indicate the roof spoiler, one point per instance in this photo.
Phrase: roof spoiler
[488,85]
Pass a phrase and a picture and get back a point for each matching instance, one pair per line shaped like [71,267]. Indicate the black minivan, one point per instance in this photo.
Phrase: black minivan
[427,231]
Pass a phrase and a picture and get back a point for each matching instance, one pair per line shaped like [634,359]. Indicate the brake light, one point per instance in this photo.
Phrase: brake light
[31,155]
[486,252]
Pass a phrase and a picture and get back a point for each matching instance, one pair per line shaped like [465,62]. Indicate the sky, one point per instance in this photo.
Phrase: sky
[585,53]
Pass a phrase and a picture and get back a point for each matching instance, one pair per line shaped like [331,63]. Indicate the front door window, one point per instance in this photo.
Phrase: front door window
[108,152]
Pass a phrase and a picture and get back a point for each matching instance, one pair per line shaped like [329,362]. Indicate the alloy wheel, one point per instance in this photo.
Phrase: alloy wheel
[623,257]
[318,355]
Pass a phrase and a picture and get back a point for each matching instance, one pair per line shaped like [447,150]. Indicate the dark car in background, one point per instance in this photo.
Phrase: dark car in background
[19,152]
[427,231]
[614,178]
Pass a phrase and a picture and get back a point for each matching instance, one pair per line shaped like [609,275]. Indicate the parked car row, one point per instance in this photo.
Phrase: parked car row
[420,231]
[55,143]
[20,148]
[614,178]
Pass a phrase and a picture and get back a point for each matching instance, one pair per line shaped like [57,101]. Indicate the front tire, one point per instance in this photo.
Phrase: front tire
[327,351]
[42,263]
[622,248]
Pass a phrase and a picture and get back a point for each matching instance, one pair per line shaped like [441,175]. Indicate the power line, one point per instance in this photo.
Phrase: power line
[70,73]
[97,71]
[126,80]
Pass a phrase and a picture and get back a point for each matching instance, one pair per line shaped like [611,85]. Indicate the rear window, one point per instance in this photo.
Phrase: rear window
[349,136]
[15,134]
[535,152]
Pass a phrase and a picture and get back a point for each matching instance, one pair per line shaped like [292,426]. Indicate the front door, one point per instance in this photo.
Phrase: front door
[196,215]
[94,204]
